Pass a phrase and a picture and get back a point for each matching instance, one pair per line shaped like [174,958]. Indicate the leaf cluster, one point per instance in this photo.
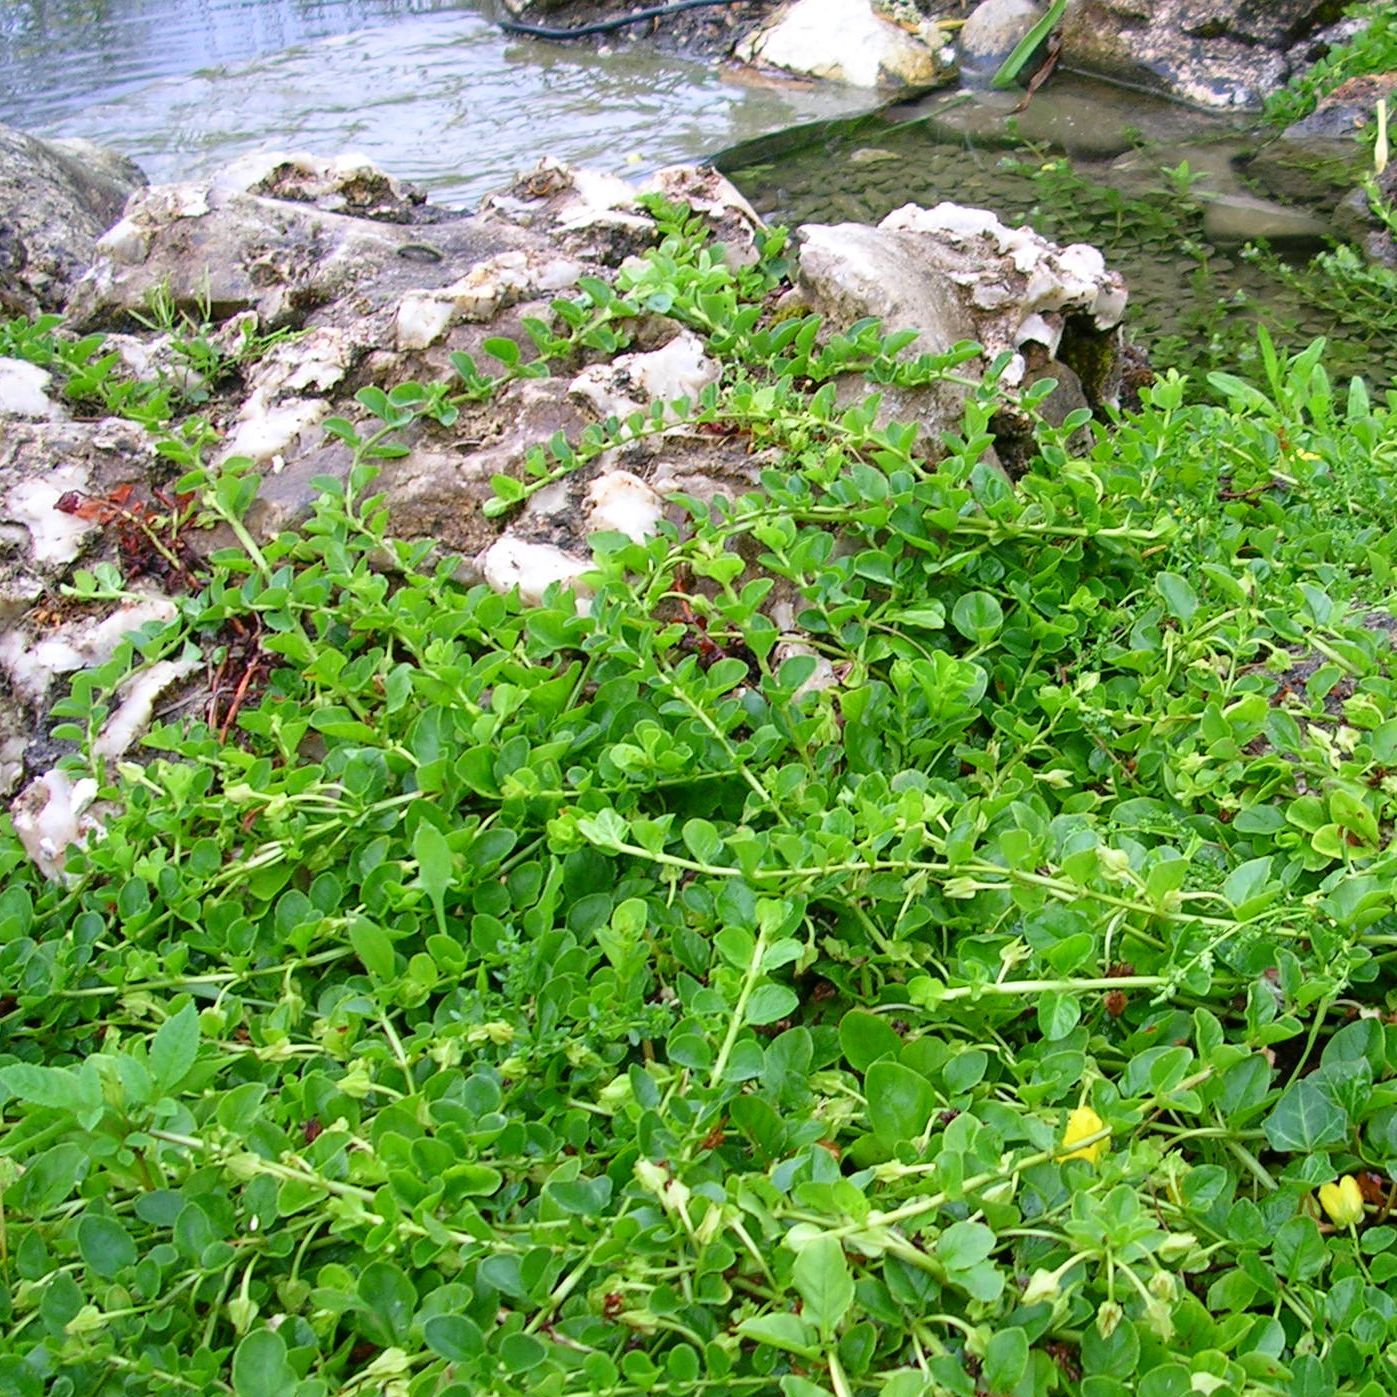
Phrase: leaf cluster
[676,993]
[1373,49]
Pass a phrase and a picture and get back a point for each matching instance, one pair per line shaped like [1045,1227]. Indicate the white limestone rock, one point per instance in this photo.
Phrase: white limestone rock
[348,183]
[621,503]
[24,392]
[845,41]
[30,664]
[138,696]
[631,382]
[954,273]
[489,287]
[1034,274]
[512,562]
[55,537]
[51,815]
[268,433]
[592,213]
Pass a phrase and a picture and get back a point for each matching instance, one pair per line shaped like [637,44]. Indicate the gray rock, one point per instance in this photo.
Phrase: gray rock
[955,273]
[1014,429]
[1068,397]
[1076,122]
[597,213]
[374,309]
[437,489]
[380,305]
[848,270]
[1343,113]
[1231,219]
[1215,163]
[1355,221]
[1275,23]
[225,251]
[1319,42]
[1212,53]
[112,174]
[55,202]
[933,408]
[991,33]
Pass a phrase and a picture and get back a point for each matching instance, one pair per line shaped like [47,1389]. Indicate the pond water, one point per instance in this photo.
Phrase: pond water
[430,89]
[1170,195]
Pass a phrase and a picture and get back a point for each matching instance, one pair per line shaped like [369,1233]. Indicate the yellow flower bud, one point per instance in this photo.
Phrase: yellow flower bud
[1081,1125]
[1343,1201]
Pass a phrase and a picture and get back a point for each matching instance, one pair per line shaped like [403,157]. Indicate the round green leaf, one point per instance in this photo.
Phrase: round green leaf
[865,1037]
[260,1368]
[900,1101]
[106,1246]
[1006,1360]
[1305,1119]
[521,1352]
[978,616]
[770,1003]
[453,1337]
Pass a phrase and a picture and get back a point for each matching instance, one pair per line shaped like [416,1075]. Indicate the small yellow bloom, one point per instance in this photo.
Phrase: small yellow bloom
[1081,1125]
[1343,1201]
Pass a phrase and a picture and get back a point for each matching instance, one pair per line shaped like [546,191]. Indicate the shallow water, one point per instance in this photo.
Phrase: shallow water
[429,89]
[1085,162]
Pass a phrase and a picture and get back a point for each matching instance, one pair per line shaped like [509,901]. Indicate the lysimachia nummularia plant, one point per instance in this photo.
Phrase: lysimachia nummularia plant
[989,994]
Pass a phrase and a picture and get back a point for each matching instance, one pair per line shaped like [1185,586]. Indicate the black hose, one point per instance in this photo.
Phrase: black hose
[605,26]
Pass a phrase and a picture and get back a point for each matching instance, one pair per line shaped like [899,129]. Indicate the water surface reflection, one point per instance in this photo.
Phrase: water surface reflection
[428,88]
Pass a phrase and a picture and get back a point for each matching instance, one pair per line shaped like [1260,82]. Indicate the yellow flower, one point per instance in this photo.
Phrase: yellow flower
[1081,1125]
[1343,1201]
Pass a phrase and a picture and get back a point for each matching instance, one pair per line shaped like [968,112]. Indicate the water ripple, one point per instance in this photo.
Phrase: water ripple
[431,90]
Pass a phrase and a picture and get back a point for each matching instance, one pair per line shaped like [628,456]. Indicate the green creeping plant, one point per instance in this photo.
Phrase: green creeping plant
[1372,49]
[972,979]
